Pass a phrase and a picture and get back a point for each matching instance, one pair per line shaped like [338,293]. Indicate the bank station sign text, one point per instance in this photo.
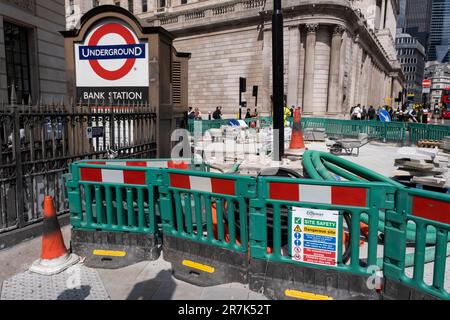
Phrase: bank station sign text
[112,65]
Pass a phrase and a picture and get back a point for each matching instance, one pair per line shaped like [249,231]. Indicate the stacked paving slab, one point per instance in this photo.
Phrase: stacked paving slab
[423,166]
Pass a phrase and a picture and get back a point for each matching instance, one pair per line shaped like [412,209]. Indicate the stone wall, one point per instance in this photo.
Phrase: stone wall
[46,45]
[217,61]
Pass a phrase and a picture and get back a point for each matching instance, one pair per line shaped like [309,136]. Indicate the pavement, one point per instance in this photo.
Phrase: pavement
[376,156]
[149,280]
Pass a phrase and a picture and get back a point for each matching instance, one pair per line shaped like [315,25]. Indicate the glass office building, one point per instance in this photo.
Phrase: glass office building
[438,46]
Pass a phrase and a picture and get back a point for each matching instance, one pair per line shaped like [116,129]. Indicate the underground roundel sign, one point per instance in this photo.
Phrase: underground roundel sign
[112,64]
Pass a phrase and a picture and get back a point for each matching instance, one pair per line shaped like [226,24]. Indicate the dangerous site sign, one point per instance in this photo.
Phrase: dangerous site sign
[112,63]
[315,236]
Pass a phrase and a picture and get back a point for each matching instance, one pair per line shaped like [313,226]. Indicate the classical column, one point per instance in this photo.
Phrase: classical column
[335,61]
[294,61]
[362,78]
[367,80]
[308,87]
[382,15]
[352,76]
[344,72]
[356,72]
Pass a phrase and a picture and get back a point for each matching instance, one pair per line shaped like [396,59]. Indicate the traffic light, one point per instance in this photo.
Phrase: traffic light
[255,94]
[242,84]
[255,91]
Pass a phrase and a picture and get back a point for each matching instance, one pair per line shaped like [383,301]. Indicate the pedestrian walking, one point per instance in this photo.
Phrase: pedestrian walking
[356,115]
[351,112]
[425,113]
[217,114]
[198,114]
[191,113]
[371,113]
[364,113]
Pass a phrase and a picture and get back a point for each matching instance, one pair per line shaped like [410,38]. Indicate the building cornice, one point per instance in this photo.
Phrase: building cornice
[241,13]
[114,11]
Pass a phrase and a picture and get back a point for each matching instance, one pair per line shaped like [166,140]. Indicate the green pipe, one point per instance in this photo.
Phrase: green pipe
[309,167]
[326,175]
[409,258]
[342,173]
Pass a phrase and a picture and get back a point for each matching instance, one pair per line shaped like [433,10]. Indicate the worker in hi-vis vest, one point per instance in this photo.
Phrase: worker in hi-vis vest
[287,114]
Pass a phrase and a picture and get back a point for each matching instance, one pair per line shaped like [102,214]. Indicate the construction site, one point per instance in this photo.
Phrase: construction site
[112,200]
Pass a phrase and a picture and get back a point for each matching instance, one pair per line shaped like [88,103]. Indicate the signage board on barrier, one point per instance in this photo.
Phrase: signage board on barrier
[94,132]
[315,234]
[112,64]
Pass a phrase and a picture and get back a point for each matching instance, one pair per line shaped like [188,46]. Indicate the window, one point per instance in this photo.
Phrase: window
[130,6]
[144,5]
[117,3]
[17,61]
[95,3]
[161,3]
[183,1]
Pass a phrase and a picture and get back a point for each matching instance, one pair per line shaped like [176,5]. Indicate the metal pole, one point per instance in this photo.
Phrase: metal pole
[278,80]
[240,103]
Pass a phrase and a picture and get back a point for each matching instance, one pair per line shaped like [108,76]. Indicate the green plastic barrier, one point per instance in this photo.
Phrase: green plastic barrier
[205,225]
[417,131]
[385,131]
[118,195]
[397,228]
[187,206]
[389,131]
[271,231]
[376,195]
[425,210]
[421,131]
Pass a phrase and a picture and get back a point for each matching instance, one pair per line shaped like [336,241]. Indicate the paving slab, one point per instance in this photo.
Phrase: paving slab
[76,283]
[19,258]
[215,293]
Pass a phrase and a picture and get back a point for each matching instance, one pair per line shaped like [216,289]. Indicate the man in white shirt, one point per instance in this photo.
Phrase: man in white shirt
[356,115]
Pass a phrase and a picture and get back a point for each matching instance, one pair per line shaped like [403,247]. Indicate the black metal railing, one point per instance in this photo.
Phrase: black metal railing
[37,144]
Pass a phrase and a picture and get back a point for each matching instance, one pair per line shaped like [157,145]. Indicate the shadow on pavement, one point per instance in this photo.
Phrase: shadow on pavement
[160,287]
[75,294]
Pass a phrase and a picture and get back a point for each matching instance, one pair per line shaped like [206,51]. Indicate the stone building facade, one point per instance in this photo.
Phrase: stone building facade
[411,54]
[439,74]
[32,50]
[338,53]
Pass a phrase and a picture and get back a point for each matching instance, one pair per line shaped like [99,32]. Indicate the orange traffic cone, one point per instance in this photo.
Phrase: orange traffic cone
[54,256]
[297,146]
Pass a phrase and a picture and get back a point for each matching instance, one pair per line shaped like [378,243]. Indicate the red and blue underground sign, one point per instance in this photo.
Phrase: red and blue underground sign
[129,52]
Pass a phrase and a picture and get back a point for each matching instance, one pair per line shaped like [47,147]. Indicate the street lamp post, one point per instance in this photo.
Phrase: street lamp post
[278,77]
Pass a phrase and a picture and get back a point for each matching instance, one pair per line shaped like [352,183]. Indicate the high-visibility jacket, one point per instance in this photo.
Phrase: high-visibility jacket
[287,114]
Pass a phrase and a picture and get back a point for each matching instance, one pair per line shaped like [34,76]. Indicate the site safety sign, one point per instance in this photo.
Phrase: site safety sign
[315,234]
[112,64]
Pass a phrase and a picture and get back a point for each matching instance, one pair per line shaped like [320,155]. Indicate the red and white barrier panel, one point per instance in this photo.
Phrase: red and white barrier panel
[146,164]
[204,184]
[112,176]
[333,195]
[431,209]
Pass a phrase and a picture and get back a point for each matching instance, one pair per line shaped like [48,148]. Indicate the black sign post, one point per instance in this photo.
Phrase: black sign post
[278,81]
